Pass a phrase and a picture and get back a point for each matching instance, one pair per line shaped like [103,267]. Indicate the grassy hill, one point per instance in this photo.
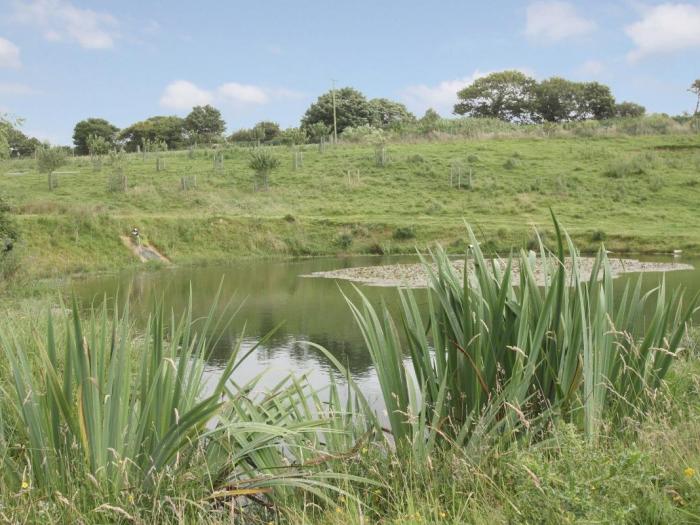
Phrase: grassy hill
[633,193]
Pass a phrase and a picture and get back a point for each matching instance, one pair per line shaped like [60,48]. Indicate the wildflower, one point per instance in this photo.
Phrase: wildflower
[689,472]
[338,510]
[442,514]
[364,450]
[25,485]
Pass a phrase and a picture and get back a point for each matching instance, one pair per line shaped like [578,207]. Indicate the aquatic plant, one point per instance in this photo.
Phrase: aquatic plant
[106,412]
[495,355]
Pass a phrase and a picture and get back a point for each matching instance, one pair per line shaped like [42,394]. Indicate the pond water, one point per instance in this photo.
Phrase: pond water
[276,292]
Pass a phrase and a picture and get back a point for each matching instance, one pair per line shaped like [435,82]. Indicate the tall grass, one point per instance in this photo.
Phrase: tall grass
[94,406]
[495,354]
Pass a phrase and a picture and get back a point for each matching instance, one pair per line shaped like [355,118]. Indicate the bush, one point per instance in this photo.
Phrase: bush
[598,236]
[344,240]
[363,134]
[403,233]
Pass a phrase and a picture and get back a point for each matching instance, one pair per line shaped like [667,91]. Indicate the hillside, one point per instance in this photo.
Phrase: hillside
[633,193]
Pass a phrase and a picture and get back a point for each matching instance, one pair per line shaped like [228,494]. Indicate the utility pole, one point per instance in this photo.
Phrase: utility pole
[335,121]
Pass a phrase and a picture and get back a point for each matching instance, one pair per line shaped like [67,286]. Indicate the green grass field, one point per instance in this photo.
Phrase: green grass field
[637,194]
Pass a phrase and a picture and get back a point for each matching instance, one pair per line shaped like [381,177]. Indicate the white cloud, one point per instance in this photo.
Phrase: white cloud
[60,20]
[242,94]
[591,68]
[441,97]
[552,20]
[665,28]
[12,88]
[9,54]
[182,94]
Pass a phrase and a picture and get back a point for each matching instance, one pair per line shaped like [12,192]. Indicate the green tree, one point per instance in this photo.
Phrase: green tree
[557,100]
[97,146]
[507,95]
[170,130]
[243,135]
[21,145]
[352,110]
[93,126]
[429,121]
[317,131]
[48,160]
[595,101]
[560,100]
[266,131]
[293,136]
[262,161]
[629,109]
[205,123]
[387,113]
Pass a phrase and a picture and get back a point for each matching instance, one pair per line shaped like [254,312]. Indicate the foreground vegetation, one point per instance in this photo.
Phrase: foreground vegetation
[636,193]
[556,404]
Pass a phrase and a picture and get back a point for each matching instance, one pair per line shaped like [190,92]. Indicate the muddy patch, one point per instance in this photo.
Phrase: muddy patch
[416,275]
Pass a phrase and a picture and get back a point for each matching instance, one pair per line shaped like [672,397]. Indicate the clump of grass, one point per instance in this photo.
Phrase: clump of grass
[636,165]
[656,183]
[511,163]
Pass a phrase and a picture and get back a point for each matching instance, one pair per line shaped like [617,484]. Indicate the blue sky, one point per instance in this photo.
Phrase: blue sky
[65,60]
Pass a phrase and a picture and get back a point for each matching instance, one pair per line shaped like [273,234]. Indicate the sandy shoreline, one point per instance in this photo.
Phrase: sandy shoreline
[415,276]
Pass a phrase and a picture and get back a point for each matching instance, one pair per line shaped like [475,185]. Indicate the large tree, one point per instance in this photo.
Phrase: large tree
[560,100]
[595,101]
[170,130]
[352,110]
[386,113]
[92,126]
[205,123]
[507,95]
[557,100]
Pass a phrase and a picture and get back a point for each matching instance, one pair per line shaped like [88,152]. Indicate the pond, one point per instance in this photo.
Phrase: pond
[273,292]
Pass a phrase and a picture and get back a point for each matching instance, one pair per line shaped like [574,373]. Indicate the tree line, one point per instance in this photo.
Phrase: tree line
[510,96]
[515,97]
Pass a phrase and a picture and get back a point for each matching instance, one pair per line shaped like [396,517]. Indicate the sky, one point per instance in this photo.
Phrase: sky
[126,60]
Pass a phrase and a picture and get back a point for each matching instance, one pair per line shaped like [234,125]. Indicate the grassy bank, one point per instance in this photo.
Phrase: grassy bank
[636,193]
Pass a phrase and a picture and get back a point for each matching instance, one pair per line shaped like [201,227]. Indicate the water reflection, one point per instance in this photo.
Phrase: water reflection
[270,293]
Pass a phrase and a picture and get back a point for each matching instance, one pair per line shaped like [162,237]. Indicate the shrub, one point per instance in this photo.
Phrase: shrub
[404,233]
[262,161]
[344,240]
[598,236]
[363,134]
